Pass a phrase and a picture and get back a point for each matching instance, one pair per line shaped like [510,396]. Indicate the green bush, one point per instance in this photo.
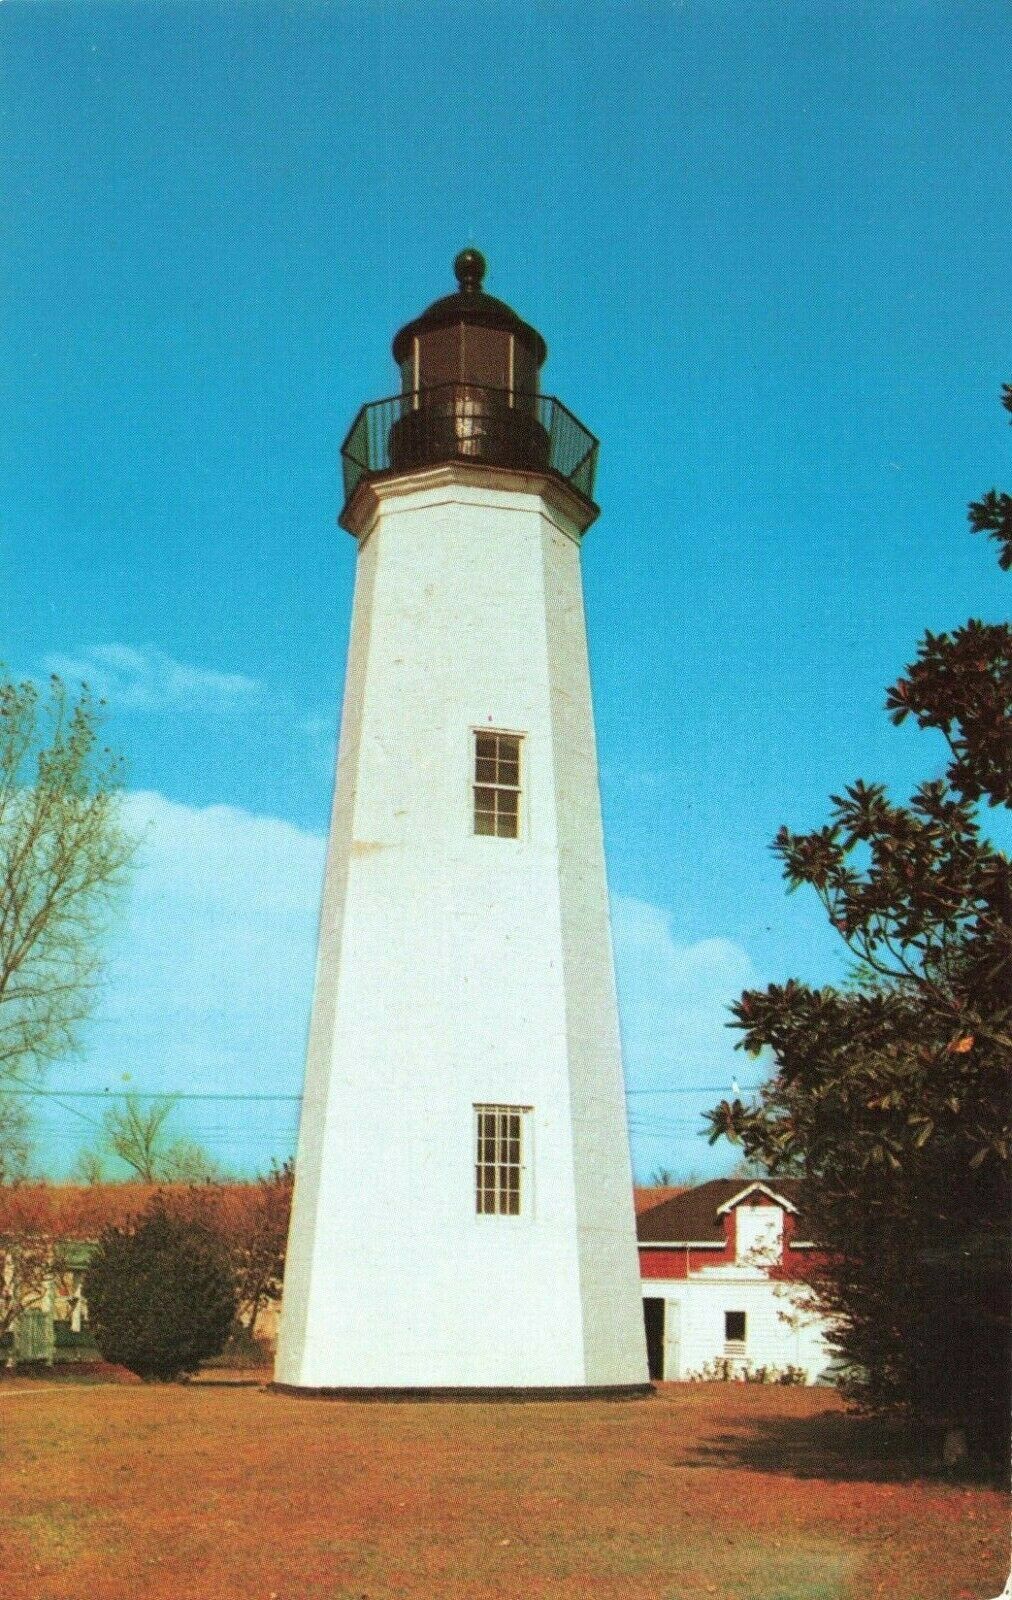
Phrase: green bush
[160,1294]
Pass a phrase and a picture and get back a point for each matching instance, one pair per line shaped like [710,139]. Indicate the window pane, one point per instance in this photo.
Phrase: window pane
[498,1173]
[497,784]
[734,1325]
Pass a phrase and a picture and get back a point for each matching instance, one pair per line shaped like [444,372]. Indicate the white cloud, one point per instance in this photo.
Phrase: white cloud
[673,1001]
[321,732]
[217,956]
[149,680]
[209,978]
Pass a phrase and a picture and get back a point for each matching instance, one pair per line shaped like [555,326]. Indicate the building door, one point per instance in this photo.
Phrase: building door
[673,1339]
[653,1316]
[34,1337]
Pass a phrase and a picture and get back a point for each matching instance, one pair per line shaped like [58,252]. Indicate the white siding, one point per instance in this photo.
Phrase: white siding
[778,1331]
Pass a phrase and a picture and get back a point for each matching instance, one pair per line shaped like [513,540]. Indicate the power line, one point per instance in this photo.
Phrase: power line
[140,1094]
[187,1094]
[701,1088]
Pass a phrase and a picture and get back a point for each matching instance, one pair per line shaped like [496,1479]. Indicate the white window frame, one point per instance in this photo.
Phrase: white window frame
[735,1347]
[477,733]
[492,1200]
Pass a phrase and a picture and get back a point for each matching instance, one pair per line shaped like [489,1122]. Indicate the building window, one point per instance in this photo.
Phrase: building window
[500,1172]
[734,1333]
[497,784]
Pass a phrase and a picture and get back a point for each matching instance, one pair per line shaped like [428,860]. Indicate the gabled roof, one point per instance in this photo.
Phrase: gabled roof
[645,1198]
[695,1216]
[750,1189]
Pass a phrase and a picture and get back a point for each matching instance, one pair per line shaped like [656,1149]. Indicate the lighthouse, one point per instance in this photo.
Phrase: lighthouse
[462,1219]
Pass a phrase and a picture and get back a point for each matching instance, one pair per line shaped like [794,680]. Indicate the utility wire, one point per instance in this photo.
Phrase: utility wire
[140,1094]
[187,1094]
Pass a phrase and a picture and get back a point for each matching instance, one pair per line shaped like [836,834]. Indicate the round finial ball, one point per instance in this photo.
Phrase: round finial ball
[470,269]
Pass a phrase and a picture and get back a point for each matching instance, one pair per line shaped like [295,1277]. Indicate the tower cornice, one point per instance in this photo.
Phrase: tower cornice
[362,508]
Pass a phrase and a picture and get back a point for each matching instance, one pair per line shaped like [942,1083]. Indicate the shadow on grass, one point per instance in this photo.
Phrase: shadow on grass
[840,1446]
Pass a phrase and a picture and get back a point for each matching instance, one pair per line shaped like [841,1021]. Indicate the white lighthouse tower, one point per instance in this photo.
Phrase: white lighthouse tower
[463,1218]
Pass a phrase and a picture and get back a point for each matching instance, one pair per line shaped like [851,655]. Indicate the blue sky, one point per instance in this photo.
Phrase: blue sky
[768,247]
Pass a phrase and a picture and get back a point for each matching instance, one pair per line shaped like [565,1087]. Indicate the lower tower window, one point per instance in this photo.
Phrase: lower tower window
[500,1172]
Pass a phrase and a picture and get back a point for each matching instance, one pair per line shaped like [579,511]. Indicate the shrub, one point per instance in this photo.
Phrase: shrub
[160,1294]
[724,1370]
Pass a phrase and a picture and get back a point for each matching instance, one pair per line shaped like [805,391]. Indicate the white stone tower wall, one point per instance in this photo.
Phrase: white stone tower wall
[456,970]
[609,1267]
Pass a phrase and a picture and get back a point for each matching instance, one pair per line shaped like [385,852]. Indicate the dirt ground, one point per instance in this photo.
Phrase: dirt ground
[716,1492]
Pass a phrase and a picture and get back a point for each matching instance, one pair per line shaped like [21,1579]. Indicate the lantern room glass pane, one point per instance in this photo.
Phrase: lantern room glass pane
[525,370]
[485,356]
[439,358]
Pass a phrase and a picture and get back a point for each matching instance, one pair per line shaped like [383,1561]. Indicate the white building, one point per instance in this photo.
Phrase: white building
[723,1269]
[462,1217]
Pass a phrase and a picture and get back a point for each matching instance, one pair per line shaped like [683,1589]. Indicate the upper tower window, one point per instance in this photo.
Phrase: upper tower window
[497,784]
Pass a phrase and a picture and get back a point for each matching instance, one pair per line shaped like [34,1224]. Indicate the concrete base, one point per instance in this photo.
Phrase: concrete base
[620,1391]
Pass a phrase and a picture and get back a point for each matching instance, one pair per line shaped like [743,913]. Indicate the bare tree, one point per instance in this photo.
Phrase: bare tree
[15,1140]
[31,1260]
[134,1132]
[63,855]
[664,1177]
[89,1167]
[252,1220]
[137,1133]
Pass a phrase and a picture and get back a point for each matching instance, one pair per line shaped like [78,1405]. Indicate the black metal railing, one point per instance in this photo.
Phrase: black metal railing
[469,422]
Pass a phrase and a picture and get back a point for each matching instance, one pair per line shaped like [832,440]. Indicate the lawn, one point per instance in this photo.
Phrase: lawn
[730,1492]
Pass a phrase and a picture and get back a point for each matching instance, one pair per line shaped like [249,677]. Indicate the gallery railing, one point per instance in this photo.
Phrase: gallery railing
[469,422]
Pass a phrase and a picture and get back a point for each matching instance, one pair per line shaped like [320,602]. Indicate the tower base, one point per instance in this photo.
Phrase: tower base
[614,1391]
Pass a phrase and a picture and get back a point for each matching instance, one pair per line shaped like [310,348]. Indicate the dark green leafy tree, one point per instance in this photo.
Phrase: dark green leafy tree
[992,513]
[161,1294]
[892,1094]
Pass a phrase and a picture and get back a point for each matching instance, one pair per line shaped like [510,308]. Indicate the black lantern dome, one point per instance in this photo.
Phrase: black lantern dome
[469,336]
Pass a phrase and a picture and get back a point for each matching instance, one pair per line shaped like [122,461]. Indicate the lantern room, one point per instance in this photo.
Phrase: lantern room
[470,338]
[470,392]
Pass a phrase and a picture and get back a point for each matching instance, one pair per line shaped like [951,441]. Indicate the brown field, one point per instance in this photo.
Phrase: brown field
[716,1492]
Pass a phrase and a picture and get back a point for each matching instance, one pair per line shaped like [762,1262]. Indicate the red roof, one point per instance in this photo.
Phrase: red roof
[645,1199]
[691,1216]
